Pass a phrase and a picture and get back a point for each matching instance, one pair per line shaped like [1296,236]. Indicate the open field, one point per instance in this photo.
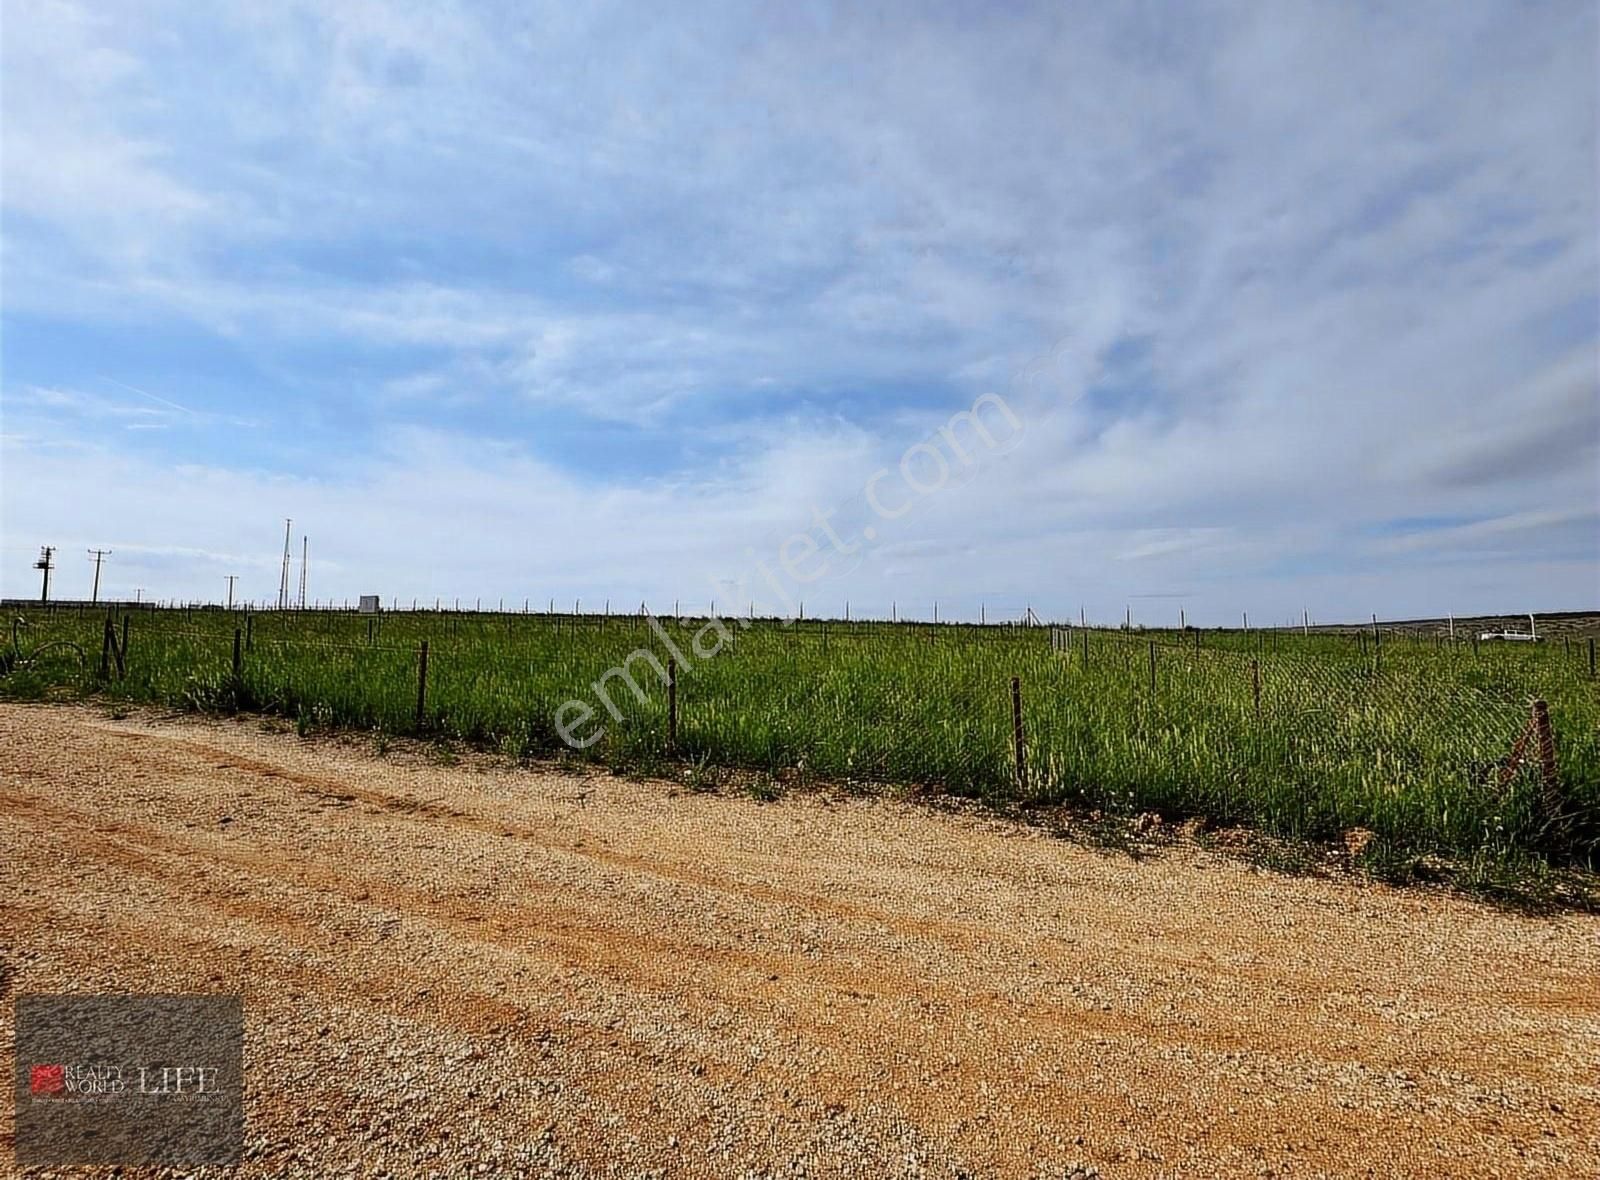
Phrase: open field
[578,974]
[1302,736]
[1557,626]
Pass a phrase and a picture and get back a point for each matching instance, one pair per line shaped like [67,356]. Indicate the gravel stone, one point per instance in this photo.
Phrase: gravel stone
[490,970]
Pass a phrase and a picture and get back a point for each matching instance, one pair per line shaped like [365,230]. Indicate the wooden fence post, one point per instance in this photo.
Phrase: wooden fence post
[238,638]
[1152,667]
[1255,685]
[108,640]
[249,631]
[422,683]
[123,649]
[672,703]
[1016,733]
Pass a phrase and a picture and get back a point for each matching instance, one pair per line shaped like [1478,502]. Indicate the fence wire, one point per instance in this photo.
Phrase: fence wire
[1305,735]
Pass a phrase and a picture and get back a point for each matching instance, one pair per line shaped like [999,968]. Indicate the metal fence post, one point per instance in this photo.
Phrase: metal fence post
[672,703]
[1016,733]
[422,682]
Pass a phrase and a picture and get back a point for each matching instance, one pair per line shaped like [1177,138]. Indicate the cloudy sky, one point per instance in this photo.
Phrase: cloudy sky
[1296,305]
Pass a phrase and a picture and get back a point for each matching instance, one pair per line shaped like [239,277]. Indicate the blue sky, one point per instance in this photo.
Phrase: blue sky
[1296,303]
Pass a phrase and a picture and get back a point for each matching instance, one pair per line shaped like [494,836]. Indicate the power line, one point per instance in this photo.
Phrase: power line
[283,576]
[45,563]
[98,555]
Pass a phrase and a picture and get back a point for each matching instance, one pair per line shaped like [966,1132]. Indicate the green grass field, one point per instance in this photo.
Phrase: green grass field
[1405,737]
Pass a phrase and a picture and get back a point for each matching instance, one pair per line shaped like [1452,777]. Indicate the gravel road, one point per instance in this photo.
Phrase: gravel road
[480,969]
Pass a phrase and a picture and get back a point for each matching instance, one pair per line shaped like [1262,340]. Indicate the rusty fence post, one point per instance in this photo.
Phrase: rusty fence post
[1255,684]
[1549,775]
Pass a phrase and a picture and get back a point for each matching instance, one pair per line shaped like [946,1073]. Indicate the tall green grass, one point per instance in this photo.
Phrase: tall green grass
[1405,737]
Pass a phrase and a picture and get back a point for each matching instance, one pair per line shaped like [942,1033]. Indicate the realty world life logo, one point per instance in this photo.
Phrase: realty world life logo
[99,1082]
[129,1079]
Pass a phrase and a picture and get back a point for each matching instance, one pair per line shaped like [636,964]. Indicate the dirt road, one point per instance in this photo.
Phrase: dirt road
[480,968]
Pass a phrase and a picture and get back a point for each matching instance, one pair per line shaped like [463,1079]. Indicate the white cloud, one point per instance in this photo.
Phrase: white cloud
[1290,274]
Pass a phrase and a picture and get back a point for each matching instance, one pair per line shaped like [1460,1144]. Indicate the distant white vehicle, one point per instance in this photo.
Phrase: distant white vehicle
[1531,635]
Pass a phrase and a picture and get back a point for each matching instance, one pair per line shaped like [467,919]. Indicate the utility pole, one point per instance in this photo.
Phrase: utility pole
[283,576]
[99,555]
[232,578]
[304,546]
[138,594]
[46,563]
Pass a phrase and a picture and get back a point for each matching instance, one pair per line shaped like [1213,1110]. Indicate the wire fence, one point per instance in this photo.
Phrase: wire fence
[1428,744]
